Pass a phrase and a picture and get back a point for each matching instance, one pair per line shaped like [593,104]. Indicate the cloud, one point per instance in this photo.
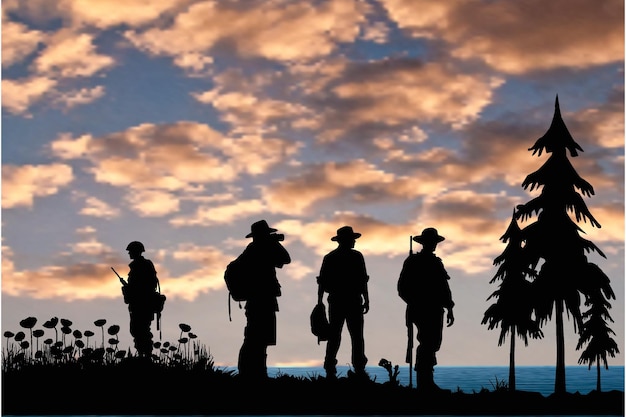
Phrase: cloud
[393,95]
[222,214]
[152,203]
[296,195]
[519,37]
[21,184]
[250,113]
[69,54]
[100,14]
[19,95]
[98,208]
[105,14]
[299,271]
[279,31]
[18,41]
[81,96]
[181,156]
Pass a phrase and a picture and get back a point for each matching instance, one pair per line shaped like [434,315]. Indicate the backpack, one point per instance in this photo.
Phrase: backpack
[319,323]
[406,283]
[237,277]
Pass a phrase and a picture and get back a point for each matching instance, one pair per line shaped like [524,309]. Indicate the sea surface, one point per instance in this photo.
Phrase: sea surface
[474,378]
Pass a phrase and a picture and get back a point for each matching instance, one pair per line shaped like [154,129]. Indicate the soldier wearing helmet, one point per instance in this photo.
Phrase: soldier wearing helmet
[142,283]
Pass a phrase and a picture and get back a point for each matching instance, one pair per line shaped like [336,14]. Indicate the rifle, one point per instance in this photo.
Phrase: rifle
[409,330]
[124,283]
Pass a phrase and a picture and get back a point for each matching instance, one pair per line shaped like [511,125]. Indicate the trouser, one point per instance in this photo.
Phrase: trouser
[260,332]
[352,316]
[429,326]
[140,322]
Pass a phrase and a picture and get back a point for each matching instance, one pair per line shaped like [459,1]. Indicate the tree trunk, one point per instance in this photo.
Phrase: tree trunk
[512,362]
[559,380]
[598,384]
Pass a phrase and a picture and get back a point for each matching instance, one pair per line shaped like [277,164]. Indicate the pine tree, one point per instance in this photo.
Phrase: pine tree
[512,311]
[554,238]
[595,330]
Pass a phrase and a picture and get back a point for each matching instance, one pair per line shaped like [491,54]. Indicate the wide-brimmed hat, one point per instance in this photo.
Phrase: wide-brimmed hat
[429,235]
[260,228]
[344,233]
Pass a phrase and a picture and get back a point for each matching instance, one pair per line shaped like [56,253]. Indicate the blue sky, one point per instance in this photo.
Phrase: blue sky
[181,122]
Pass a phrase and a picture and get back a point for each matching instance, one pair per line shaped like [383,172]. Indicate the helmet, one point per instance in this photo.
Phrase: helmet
[135,247]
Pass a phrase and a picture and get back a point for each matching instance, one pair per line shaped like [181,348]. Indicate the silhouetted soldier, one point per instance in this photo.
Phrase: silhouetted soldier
[344,277]
[142,283]
[423,285]
[263,255]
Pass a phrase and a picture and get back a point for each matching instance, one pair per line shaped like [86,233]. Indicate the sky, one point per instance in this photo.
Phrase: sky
[179,123]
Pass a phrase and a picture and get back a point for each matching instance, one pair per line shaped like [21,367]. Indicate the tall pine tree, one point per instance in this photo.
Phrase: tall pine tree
[553,242]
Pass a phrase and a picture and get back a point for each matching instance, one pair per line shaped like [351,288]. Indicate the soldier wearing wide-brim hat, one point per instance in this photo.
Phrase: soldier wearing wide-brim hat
[263,255]
[423,285]
[344,277]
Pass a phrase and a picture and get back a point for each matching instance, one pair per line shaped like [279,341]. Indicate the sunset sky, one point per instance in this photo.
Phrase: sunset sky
[179,123]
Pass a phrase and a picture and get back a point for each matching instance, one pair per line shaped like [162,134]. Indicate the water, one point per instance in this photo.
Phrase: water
[474,378]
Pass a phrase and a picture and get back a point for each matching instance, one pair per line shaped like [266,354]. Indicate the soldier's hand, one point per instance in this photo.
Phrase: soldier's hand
[366,307]
[450,318]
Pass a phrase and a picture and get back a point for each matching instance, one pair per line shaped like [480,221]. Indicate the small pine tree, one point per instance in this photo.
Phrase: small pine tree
[512,311]
[595,332]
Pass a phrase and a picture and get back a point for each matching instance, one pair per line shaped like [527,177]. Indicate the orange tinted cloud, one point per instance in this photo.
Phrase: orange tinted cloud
[19,95]
[519,37]
[278,31]
[22,184]
[18,41]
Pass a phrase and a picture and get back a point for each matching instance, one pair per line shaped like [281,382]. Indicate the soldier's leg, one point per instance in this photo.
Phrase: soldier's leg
[336,319]
[140,322]
[429,334]
[354,322]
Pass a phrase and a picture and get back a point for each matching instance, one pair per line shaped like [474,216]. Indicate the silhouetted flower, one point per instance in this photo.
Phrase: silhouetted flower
[68,349]
[38,333]
[8,334]
[173,348]
[192,336]
[80,344]
[51,323]
[38,354]
[89,333]
[24,344]
[77,334]
[48,341]
[28,323]
[113,330]
[66,323]
[66,330]
[163,350]
[110,350]
[184,327]
[100,322]
[113,341]
[157,345]
[19,336]
[183,340]
[166,344]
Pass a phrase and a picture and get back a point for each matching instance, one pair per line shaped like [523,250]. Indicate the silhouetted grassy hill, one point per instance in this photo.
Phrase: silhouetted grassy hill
[135,387]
